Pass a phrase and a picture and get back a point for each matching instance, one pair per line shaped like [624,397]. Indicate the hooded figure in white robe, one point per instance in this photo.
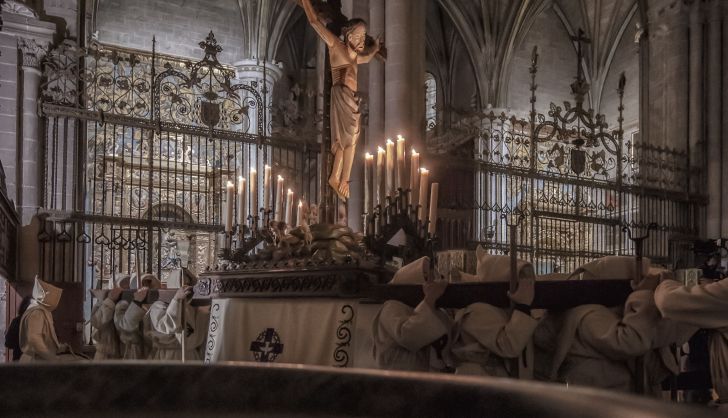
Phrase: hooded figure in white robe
[133,326]
[703,306]
[38,339]
[104,333]
[167,329]
[593,345]
[403,337]
[485,336]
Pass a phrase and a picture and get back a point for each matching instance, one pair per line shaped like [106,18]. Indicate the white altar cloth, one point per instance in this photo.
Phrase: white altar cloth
[316,331]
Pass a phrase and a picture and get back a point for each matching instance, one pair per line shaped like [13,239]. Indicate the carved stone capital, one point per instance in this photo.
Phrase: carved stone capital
[32,52]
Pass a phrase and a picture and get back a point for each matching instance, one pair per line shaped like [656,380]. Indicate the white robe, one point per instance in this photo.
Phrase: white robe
[402,336]
[703,306]
[596,346]
[104,334]
[129,322]
[166,319]
[485,335]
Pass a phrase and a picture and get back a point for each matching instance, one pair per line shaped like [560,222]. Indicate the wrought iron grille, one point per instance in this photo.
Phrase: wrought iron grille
[138,148]
[575,183]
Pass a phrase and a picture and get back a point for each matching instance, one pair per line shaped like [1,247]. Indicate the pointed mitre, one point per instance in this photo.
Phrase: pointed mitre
[415,272]
[46,294]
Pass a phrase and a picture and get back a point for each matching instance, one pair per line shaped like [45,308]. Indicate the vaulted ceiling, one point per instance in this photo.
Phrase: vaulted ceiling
[491,30]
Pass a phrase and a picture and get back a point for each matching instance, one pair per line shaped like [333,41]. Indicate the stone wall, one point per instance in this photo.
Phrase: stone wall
[179,25]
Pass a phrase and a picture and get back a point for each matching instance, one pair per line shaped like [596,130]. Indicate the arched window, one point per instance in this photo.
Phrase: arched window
[430,101]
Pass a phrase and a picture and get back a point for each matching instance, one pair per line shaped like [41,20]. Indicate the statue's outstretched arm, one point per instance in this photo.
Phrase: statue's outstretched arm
[329,38]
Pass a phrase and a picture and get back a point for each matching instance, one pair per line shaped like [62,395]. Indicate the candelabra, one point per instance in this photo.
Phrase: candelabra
[397,213]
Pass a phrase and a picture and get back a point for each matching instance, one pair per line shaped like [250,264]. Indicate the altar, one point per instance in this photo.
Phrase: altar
[314,315]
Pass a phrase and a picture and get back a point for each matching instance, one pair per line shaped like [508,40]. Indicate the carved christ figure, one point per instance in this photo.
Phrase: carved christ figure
[345,56]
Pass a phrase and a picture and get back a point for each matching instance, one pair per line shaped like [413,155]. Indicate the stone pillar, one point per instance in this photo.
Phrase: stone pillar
[724,89]
[263,75]
[695,123]
[714,172]
[29,198]
[403,71]
[375,130]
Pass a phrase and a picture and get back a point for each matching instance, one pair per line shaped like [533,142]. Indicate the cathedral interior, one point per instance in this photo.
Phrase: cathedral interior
[271,159]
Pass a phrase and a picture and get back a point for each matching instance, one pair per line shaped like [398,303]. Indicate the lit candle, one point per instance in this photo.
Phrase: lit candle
[434,191]
[381,180]
[242,203]
[390,168]
[424,175]
[401,175]
[254,192]
[414,176]
[230,203]
[299,216]
[279,215]
[368,183]
[289,209]
[267,192]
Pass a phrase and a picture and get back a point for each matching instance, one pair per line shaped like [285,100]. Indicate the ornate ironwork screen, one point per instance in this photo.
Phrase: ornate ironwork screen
[138,148]
[575,183]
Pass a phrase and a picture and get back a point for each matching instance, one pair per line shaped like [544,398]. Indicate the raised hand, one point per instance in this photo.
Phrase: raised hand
[524,293]
[141,294]
[115,294]
[433,290]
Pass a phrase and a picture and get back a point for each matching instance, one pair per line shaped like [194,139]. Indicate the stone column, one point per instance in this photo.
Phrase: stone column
[724,89]
[262,76]
[375,131]
[695,123]
[714,173]
[404,74]
[29,199]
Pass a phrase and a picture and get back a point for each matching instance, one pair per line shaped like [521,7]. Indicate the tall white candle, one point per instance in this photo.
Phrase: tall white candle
[390,168]
[230,204]
[299,216]
[289,209]
[267,192]
[381,177]
[424,175]
[279,215]
[434,192]
[242,202]
[368,183]
[254,192]
[401,170]
[415,177]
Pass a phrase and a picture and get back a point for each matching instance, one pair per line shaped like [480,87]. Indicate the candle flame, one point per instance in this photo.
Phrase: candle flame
[230,184]
[241,178]
[253,170]
[290,191]
[414,152]
[280,178]
[380,150]
[300,203]
[267,167]
[424,170]
[368,156]
[400,138]
[389,141]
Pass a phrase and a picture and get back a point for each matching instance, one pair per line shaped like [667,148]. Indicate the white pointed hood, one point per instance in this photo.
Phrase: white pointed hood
[415,272]
[46,294]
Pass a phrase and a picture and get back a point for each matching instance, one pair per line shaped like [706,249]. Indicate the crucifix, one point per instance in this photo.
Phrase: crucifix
[348,45]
